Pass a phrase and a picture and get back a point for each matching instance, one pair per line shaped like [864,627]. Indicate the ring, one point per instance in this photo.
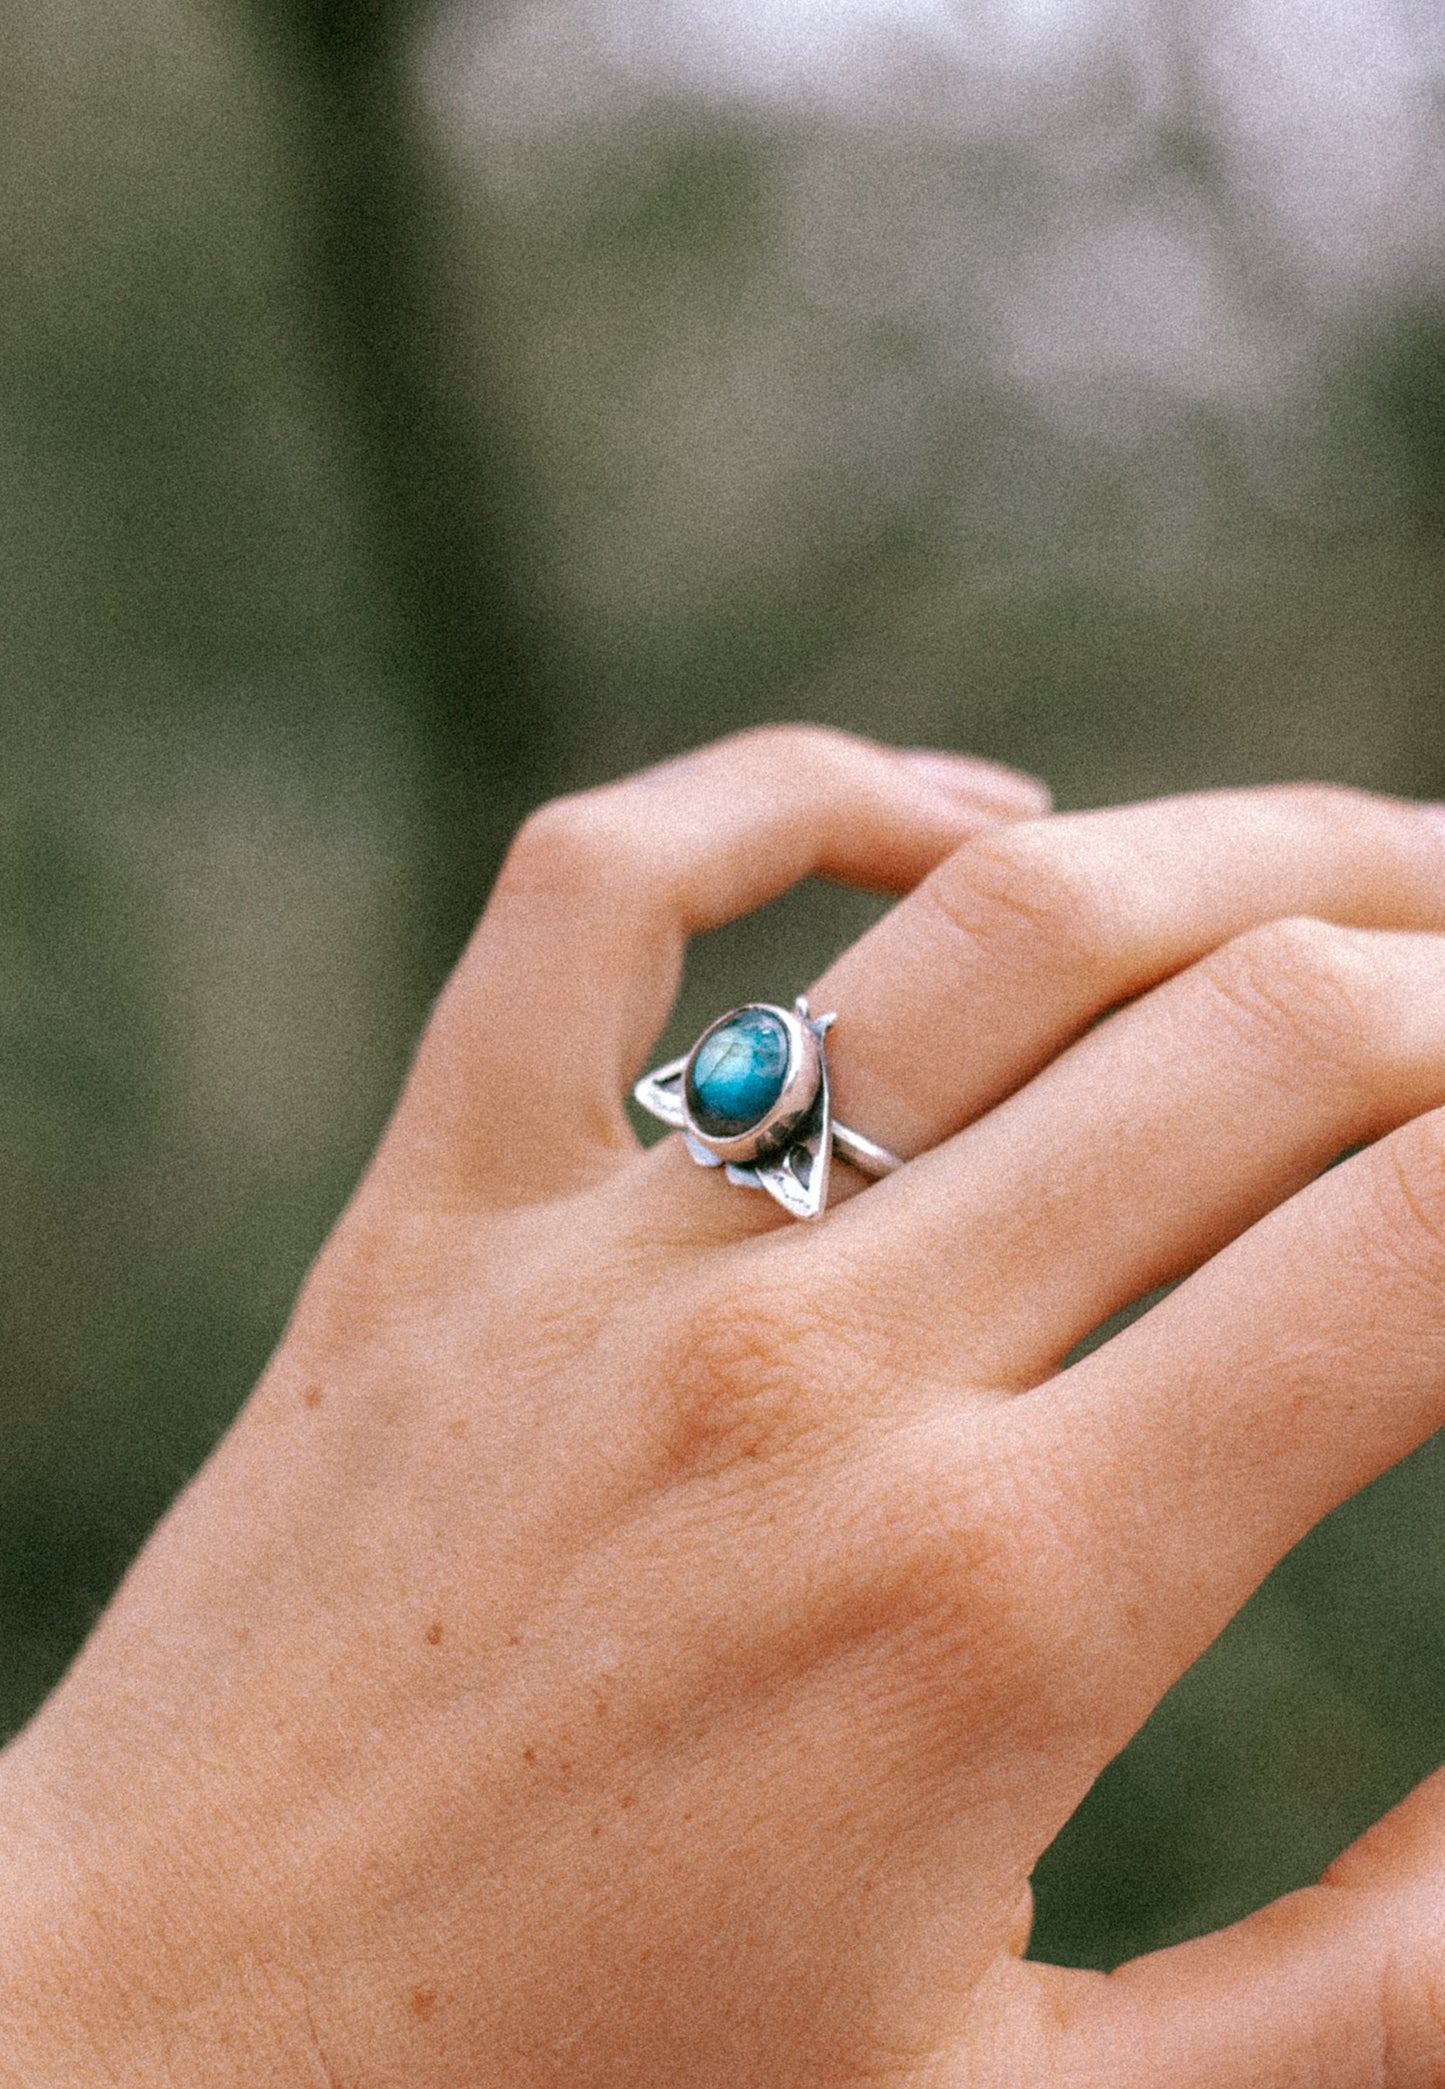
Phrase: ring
[752,1097]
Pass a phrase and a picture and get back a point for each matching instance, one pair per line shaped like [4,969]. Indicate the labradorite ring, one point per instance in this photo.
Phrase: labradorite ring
[752,1097]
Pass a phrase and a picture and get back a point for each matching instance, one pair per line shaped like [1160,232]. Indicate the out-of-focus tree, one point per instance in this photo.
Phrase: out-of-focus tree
[436,467]
[987,366]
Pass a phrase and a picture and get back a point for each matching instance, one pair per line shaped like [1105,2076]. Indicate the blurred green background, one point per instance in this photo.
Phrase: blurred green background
[409,412]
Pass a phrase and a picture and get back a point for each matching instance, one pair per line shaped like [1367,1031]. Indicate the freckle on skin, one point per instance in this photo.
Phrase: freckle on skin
[457,1428]
[423,2002]
[564,1768]
[596,1829]
[601,1708]
[312,1396]
[629,1798]
[243,1635]
[529,1755]
[514,1639]
[434,1635]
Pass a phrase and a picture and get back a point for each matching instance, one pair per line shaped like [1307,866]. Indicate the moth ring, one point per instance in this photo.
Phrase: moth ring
[751,1097]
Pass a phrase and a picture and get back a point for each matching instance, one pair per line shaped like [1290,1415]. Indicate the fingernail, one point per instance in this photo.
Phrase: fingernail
[982,782]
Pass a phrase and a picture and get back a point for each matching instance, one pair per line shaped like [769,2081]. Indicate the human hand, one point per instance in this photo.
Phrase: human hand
[630,1640]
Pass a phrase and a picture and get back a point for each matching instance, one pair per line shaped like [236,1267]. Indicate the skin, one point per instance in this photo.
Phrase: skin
[630,1639]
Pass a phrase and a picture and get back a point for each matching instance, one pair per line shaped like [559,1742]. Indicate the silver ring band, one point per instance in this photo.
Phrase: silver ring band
[873,1161]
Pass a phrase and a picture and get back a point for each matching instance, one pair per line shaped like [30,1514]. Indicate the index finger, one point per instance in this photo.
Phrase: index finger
[572,970]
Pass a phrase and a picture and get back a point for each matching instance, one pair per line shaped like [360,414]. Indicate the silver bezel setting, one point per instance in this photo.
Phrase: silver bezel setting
[789,1152]
[799,1092]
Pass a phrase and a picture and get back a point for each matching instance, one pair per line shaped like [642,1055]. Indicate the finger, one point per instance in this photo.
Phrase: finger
[1338,1987]
[1022,938]
[573,968]
[992,786]
[1155,1140]
[1177,1464]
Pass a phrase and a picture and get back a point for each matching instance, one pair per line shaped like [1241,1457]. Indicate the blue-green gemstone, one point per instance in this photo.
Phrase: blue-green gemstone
[738,1074]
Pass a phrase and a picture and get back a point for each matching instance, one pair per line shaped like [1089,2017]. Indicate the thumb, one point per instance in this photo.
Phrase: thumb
[1341,1986]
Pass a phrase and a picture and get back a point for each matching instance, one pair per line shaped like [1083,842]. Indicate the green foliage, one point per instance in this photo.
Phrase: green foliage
[1409,381]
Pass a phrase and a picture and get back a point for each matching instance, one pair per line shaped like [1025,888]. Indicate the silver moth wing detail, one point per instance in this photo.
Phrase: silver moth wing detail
[797,1178]
[660,1093]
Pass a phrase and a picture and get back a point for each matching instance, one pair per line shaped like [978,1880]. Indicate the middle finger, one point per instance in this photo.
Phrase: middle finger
[1153,1142]
[1026,935]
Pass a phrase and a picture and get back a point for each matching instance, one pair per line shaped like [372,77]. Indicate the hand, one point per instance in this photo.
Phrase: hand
[631,1639]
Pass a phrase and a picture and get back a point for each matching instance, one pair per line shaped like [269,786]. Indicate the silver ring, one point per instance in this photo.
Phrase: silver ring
[752,1097]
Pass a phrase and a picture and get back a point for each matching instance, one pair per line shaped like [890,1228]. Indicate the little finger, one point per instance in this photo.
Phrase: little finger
[1182,1460]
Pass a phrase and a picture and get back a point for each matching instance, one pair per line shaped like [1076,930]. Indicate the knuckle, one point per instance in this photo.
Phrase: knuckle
[1410,1200]
[1335,802]
[1311,990]
[1410,2002]
[830,760]
[606,837]
[1412,2009]
[968,1573]
[815,745]
[1027,888]
[747,1373]
[1362,827]
[572,841]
